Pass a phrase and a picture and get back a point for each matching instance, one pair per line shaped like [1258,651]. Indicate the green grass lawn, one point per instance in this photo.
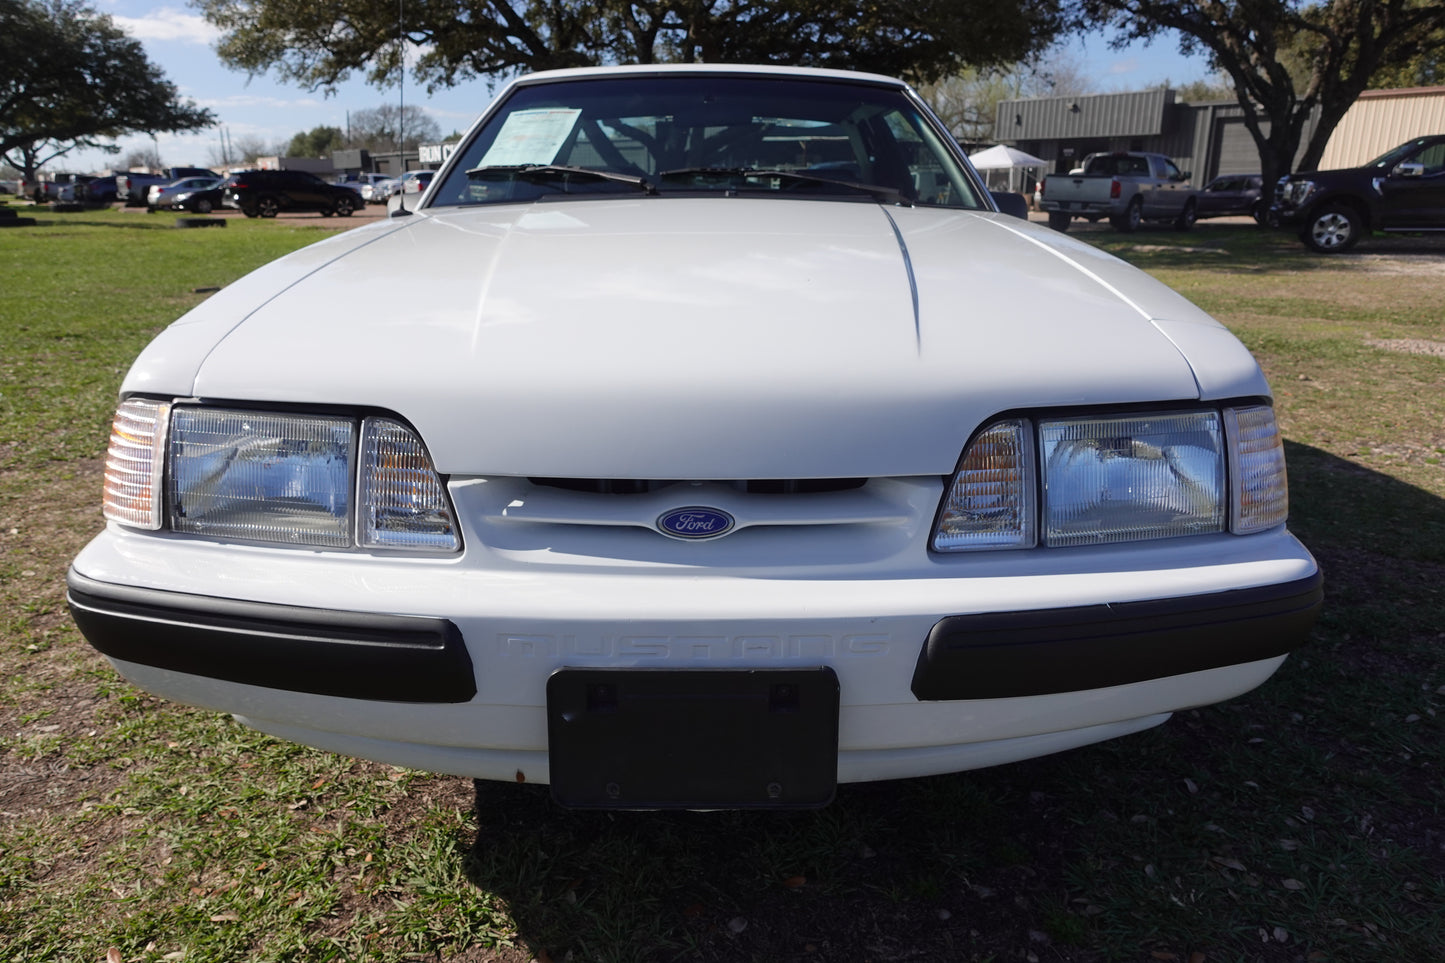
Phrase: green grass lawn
[1302,822]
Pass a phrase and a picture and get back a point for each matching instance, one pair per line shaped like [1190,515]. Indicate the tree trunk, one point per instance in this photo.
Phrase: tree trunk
[1277,145]
[29,168]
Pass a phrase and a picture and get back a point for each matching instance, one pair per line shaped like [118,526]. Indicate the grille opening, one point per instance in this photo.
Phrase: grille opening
[751,486]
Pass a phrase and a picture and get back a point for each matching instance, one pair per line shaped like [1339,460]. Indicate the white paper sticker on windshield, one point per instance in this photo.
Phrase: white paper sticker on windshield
[532,137]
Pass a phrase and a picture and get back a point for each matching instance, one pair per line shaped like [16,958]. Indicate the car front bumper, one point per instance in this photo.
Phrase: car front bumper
[444,665]
[1296,218]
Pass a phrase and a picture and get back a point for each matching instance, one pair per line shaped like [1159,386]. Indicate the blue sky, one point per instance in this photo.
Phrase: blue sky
[178,39]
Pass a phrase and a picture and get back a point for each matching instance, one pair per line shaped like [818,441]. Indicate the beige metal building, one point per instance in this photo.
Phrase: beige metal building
[1379,120]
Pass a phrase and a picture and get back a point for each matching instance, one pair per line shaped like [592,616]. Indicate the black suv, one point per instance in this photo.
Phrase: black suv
[1402,190]
[268,193]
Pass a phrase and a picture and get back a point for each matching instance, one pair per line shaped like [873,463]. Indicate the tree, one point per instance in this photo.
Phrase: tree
[316,142]
[374,129]
[70,78]
[1216,87]
[318,43]
[1339,47]
[1425,69]
[968,101]
[147,157]
[242,150]
[377,128]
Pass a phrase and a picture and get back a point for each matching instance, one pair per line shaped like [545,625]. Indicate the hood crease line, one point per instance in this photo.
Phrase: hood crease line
[912,278]
[486,289]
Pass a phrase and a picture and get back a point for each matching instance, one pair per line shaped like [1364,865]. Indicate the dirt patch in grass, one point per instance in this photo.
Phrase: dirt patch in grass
[1423,264]
[1409,345]
[1173,249]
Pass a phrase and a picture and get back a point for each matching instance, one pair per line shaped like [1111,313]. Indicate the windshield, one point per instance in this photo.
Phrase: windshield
[716,134]
[1395,155]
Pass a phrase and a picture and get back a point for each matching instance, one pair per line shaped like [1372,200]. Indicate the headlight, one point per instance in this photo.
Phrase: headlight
[402,502]
[991,501]
[134,464]
[261,476]
[1132,478]
[1115,478]
[279,477]
[1294,193]
[1261,491]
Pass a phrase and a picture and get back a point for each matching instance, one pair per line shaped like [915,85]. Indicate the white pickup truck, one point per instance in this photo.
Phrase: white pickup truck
[1127,187]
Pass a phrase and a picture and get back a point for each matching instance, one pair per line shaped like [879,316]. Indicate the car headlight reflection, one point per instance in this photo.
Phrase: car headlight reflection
[278,477]
[1118,478]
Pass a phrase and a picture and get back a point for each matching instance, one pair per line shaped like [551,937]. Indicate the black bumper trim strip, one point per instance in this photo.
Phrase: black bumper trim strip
[1000,655]
[355,655]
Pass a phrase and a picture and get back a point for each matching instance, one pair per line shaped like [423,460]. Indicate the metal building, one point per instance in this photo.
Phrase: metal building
[1379,120]
[1206,139]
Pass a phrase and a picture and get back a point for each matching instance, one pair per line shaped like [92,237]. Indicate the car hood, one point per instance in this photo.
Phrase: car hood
[698,338]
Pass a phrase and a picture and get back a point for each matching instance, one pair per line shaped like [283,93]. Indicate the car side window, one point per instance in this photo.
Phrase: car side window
[1172,172]
[1433,158]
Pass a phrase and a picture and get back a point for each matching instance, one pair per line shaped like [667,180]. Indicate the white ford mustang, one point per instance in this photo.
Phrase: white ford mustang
[703,437]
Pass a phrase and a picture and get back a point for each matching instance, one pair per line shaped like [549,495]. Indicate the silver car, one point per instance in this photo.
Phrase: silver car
[377,190]
[168,196]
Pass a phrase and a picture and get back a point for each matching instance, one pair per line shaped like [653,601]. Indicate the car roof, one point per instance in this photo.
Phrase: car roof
[714,70]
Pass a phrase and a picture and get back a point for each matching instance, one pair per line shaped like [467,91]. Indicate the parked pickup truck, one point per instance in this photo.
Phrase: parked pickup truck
[1402,190]
[131,186]
[1127,188]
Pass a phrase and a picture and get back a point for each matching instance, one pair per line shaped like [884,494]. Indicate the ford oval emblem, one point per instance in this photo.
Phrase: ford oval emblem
[695,522]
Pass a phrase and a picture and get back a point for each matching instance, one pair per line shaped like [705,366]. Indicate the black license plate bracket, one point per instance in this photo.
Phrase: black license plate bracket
[693,738]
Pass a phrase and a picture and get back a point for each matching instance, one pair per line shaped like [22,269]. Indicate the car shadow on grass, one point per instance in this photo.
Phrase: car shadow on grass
[47,222]
[1303,818]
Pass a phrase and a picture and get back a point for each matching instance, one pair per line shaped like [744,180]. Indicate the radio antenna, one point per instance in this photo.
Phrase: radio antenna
[401,210]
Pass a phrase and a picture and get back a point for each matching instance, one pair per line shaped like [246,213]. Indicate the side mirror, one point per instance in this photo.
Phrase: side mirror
[1013,205]
[1184,175]
[1409,169]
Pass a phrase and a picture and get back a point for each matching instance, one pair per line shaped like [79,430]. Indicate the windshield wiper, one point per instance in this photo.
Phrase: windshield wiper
[541,173]
[888,194]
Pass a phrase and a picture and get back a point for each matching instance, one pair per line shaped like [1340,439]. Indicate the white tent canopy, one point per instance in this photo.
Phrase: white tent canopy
[1002,157]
